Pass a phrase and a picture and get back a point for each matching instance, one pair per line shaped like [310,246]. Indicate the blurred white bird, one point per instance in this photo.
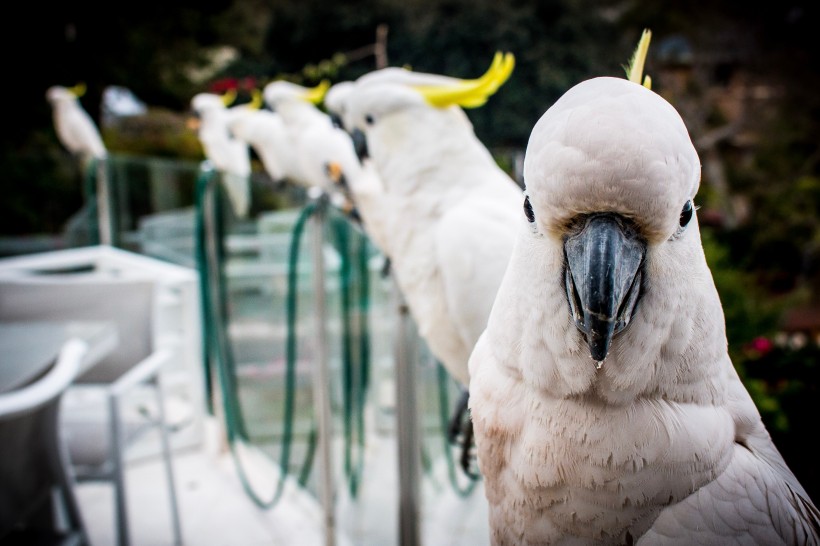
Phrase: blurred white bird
[318,142]
[266,132]
[75,129]
[357,179]
[605,406]
[448,209]
[230,156]
[335,100]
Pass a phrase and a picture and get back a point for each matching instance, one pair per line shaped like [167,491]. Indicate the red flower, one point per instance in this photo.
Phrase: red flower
[221,86]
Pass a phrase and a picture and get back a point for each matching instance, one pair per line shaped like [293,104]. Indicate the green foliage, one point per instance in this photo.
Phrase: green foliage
[781,379]
[749,311]
[784,384]
[40,190]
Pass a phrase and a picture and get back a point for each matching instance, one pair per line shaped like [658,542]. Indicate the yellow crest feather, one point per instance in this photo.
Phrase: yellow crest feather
[316,94]
[256,99]
[471,93]
[634,71]
[78,90]
[228,97]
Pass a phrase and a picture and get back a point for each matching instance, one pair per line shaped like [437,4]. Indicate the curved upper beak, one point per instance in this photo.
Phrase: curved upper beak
[193,121]
[336,119]
[360,144]
[603,278]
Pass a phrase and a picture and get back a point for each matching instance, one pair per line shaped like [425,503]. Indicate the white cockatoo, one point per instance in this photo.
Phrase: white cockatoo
[322,149]
[75,129]
[361,182]
[266,132]
[357,177]
[230,156]
[448,212]
[335,99]
[605,406]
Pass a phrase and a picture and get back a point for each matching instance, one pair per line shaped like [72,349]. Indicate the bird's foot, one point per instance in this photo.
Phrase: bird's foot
[460,433]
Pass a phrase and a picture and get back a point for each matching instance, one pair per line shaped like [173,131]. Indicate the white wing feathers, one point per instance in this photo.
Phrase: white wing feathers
[74,127]
[472,247]
[230,156]
[446,194]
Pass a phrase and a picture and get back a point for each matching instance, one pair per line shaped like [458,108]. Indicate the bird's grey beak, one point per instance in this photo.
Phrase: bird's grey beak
[336,119]
[360,144]
[603,278]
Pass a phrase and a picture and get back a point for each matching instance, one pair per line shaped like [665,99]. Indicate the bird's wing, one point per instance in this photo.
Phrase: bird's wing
[239,192]
[79,133]
[231,157]
[757,498]
[473,241]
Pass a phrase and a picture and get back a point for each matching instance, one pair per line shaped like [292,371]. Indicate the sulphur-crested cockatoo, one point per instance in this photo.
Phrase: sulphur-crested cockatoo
[318,142]
[367,193]
[75,129]
[605,406]
[230,156]
[266,132]
[449,210]
[366,196]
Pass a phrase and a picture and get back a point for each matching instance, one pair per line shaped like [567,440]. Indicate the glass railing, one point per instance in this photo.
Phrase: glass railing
[259,316]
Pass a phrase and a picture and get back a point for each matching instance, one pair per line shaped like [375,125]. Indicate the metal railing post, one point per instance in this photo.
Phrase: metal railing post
[321,375]
[104,217]
[407,427]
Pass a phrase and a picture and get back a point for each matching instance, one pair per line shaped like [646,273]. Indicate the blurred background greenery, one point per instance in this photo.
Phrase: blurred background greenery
[744,76]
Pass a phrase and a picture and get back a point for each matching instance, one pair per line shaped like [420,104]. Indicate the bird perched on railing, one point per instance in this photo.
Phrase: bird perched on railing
[368,190]
[317,141]
[75,129]
[605,405]
[367,193]
[266,132]
[229,156]
[448,210]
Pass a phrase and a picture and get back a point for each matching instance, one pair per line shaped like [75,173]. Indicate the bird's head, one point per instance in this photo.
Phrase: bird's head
[202,105]
[611,173]
[280,92]
[390,92]
[59,94]
[335,99]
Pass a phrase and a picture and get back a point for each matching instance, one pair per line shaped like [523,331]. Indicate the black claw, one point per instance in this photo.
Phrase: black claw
[460,433]
[385,268]
[467,459]
[456,426]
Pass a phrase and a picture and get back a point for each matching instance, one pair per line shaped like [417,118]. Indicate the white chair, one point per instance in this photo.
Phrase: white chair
[97,423]
[37,503]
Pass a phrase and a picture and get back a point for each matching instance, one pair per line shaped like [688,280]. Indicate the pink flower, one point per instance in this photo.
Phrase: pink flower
[761,345]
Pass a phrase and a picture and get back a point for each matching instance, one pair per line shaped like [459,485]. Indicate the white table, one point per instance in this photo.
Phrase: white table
[28,349]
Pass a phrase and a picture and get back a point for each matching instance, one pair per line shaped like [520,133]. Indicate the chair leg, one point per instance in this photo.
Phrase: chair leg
[65,495]
[169,467]
[120,508]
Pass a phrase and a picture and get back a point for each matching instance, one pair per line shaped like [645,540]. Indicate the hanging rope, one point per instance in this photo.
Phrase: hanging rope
[219,360]
[216,345]
[355,359]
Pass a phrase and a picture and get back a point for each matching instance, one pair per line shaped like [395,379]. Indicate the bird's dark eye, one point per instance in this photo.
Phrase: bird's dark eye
[686,213]
[528,210]
[369,119]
